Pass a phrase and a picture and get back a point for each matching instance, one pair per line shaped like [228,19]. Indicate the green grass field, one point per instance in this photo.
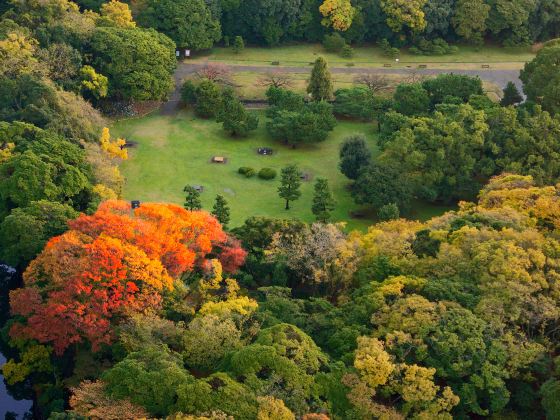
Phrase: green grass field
[174,151]
[468,57]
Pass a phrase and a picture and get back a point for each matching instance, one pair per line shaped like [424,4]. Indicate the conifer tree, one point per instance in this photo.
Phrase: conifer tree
[320,84]
[221,210]
[290,184]
[192,200]
[511,95]
[323,201]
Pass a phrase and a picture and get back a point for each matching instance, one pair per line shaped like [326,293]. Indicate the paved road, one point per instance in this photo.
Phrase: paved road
[497,77]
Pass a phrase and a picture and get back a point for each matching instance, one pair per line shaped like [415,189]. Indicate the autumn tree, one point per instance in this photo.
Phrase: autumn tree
[290,183]
[115,13]
[404,13]
[337,13]
[320,83]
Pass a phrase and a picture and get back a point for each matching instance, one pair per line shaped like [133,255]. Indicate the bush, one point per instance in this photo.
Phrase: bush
[334,42]
[247,171]
[267,173]
[388,212]
[387,49]
[437,46]
[238,45]
[347,51]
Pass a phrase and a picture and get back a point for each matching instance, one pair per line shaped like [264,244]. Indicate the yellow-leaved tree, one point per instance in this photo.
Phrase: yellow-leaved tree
[337,13]
[115,148]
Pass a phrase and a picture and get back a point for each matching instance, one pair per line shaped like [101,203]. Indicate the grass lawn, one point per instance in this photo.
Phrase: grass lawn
[468,57]
[174,151]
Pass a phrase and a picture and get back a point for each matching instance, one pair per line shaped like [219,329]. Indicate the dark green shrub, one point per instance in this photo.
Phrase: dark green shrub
[334,42]
[247,171]
[267,173]
[347,51]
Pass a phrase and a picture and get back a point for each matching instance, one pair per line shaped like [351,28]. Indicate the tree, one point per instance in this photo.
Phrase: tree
[337,13]
[511,95]
[446,86]
[152,53]
[374,82]
[323,201]
[234,117]
[354,155]
[388,212]
[275,79]
[192,199]
[541,80]
[465,26]
[115,13]
[25,231]
[271,408]
[356,102]
[93,84]
[320,83]
[238,45]
[411,99]
[221,210]
[404,13]
[187,22]
[208,99]
[290,184]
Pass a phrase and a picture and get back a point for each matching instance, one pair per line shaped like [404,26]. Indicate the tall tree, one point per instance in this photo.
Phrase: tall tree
[187,22]
[192,199]
[320,84]
[354,155]
[115,13]
[541,78]
[404,13]
[466,25]
[338,14]
[323,201]
[234,117]
[290,184]
[221,211]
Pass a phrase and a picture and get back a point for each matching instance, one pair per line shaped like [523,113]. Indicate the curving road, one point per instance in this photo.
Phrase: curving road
[497,77]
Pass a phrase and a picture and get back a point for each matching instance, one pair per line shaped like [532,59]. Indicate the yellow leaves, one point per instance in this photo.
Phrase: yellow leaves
[104,193]
[236,306]
[337,13]
[271,408]
[6,150]
[36,358]
[418,384]
[118,14]
[373,362]
[17,55]
[404,13]
[113,149]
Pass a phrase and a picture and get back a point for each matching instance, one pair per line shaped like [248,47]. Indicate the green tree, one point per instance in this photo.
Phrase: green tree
[465,25]
[323,201]
[208,99]
[403,13]
[234,117]
[388,212]
[25,231]
[93,84]
[354,155]
[187,22]
[357,102]
[446,86]
[511,95]
[541,79]
[221,211]
[320,84]
[411,99]
[290,184]
[192,199]
[138,62]
[238,45]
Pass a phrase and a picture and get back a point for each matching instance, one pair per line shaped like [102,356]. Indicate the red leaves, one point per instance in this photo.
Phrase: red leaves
[112,264]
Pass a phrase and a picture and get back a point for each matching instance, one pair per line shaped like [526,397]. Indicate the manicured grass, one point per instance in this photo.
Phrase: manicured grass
[174,151]
[468,57]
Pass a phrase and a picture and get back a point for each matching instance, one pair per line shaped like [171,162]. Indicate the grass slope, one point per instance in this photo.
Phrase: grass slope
[174,151]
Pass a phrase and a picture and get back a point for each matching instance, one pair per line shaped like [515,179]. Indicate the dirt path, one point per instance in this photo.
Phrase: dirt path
[497,77]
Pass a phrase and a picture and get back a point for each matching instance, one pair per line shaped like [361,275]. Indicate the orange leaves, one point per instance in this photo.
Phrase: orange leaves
[110,265]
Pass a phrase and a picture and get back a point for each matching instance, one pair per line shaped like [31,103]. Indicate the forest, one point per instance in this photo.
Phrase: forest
[118,308]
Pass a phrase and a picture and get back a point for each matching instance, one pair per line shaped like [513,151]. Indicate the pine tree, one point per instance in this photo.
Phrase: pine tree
[290,184]
[320,84]
[511,95]
[323,201]
[234,117]
[192,200]
[221,210]
[238,45]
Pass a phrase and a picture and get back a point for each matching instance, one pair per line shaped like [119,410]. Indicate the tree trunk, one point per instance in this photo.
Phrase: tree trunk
[287,204]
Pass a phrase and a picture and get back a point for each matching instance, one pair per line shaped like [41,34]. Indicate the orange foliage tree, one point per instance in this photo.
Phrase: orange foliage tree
[112,264]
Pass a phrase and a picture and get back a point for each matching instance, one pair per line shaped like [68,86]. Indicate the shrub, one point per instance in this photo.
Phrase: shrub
[334,42]
[247,171]
[347,51]
[267,173]
[437,46]
[387,49]
[388,212]
[238,45]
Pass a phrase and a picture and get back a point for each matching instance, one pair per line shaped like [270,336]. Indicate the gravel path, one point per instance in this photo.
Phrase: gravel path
[497,77]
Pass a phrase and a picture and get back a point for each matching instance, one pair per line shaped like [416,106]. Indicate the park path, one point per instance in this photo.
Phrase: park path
[497,77]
